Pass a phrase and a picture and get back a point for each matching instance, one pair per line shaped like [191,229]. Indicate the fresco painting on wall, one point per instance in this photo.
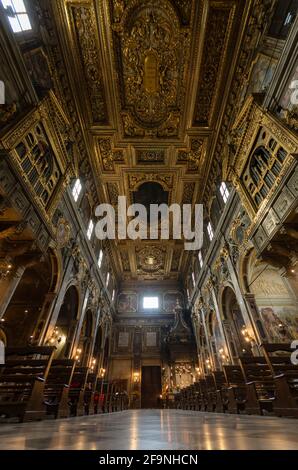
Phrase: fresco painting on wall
[128,302]
[170,301]
[123,339]
[286,99]
[281,327]
[261,74]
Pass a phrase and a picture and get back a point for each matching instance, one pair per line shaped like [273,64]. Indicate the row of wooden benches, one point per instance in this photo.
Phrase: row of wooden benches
[34,385]
[261,385]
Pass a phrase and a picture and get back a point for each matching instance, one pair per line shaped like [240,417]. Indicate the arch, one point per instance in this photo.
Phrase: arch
[106,354]
[274,296]
[84,345]
[233,322]
[27,311]
[67,320]
[98,343]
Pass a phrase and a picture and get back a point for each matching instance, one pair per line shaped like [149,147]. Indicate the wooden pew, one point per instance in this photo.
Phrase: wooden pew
[199,400]
[211,393]
[102,389]
[285,375]
[259,384]
[98,395]
[236,389]
[22,382]
[123,400]
[90,393]
[221,387]
[56,393]
[77,391]
[204,395]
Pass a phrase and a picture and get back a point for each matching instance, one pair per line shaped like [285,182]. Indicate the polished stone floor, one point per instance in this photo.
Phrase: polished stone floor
[153,430]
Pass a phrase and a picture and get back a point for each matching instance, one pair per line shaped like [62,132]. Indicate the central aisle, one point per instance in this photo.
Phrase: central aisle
[153,430]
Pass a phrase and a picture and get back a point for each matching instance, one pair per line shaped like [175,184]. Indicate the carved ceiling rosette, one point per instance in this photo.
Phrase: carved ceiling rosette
[152,58]
[151,259]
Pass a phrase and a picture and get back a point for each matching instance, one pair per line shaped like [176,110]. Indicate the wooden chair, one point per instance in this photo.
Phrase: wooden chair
[22,382]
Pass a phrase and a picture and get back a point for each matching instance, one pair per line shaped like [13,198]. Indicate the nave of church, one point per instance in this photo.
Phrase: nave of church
[148,224]
[154,430]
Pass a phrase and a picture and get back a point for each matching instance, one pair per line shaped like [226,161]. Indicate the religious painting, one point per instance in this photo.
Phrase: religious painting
[261,74]
[128,302]
[281,327]
[39,71]
[171,300]
[151,339]
[123,340]
[288,101]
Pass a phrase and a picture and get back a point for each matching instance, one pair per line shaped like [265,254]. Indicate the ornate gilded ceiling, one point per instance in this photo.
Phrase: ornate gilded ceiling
[150,79]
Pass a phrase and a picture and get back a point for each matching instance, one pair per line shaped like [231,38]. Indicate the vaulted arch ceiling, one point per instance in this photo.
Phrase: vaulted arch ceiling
[150,80]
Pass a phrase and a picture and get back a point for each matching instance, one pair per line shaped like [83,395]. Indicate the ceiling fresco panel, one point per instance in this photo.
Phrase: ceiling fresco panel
[152,54]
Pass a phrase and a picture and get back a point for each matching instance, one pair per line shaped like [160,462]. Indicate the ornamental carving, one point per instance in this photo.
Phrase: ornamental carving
[113,191]
[151,156]
[152,52]
[86,30]
[188,193]
[165,180]
[193,157]
[108,156]
[215,48]
[151,259]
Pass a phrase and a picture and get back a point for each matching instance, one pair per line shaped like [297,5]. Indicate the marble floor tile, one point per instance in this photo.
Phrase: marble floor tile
[154,430]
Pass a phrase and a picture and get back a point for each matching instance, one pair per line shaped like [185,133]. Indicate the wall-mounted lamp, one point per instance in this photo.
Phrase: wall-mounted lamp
[246,335]
[136,377]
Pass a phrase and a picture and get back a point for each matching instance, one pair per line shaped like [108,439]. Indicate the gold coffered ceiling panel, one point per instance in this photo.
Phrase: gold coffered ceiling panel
[150,79]
[82,16]
[152,53]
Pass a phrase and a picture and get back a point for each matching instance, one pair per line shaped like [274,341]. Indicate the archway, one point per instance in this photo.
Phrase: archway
[234,323]
[66,322]
[276,298]
[97,347]
[217,342]
[84,347]
[106,354]
[26,313]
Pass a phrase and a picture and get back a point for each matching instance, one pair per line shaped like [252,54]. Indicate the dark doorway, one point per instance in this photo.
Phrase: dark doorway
[151,386]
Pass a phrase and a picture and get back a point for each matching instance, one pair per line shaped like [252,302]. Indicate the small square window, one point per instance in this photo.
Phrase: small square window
[100,259]
[20,21]
[201,261]
[77,189]
[210,231]
[150,303]
[90,230]
[225,193]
